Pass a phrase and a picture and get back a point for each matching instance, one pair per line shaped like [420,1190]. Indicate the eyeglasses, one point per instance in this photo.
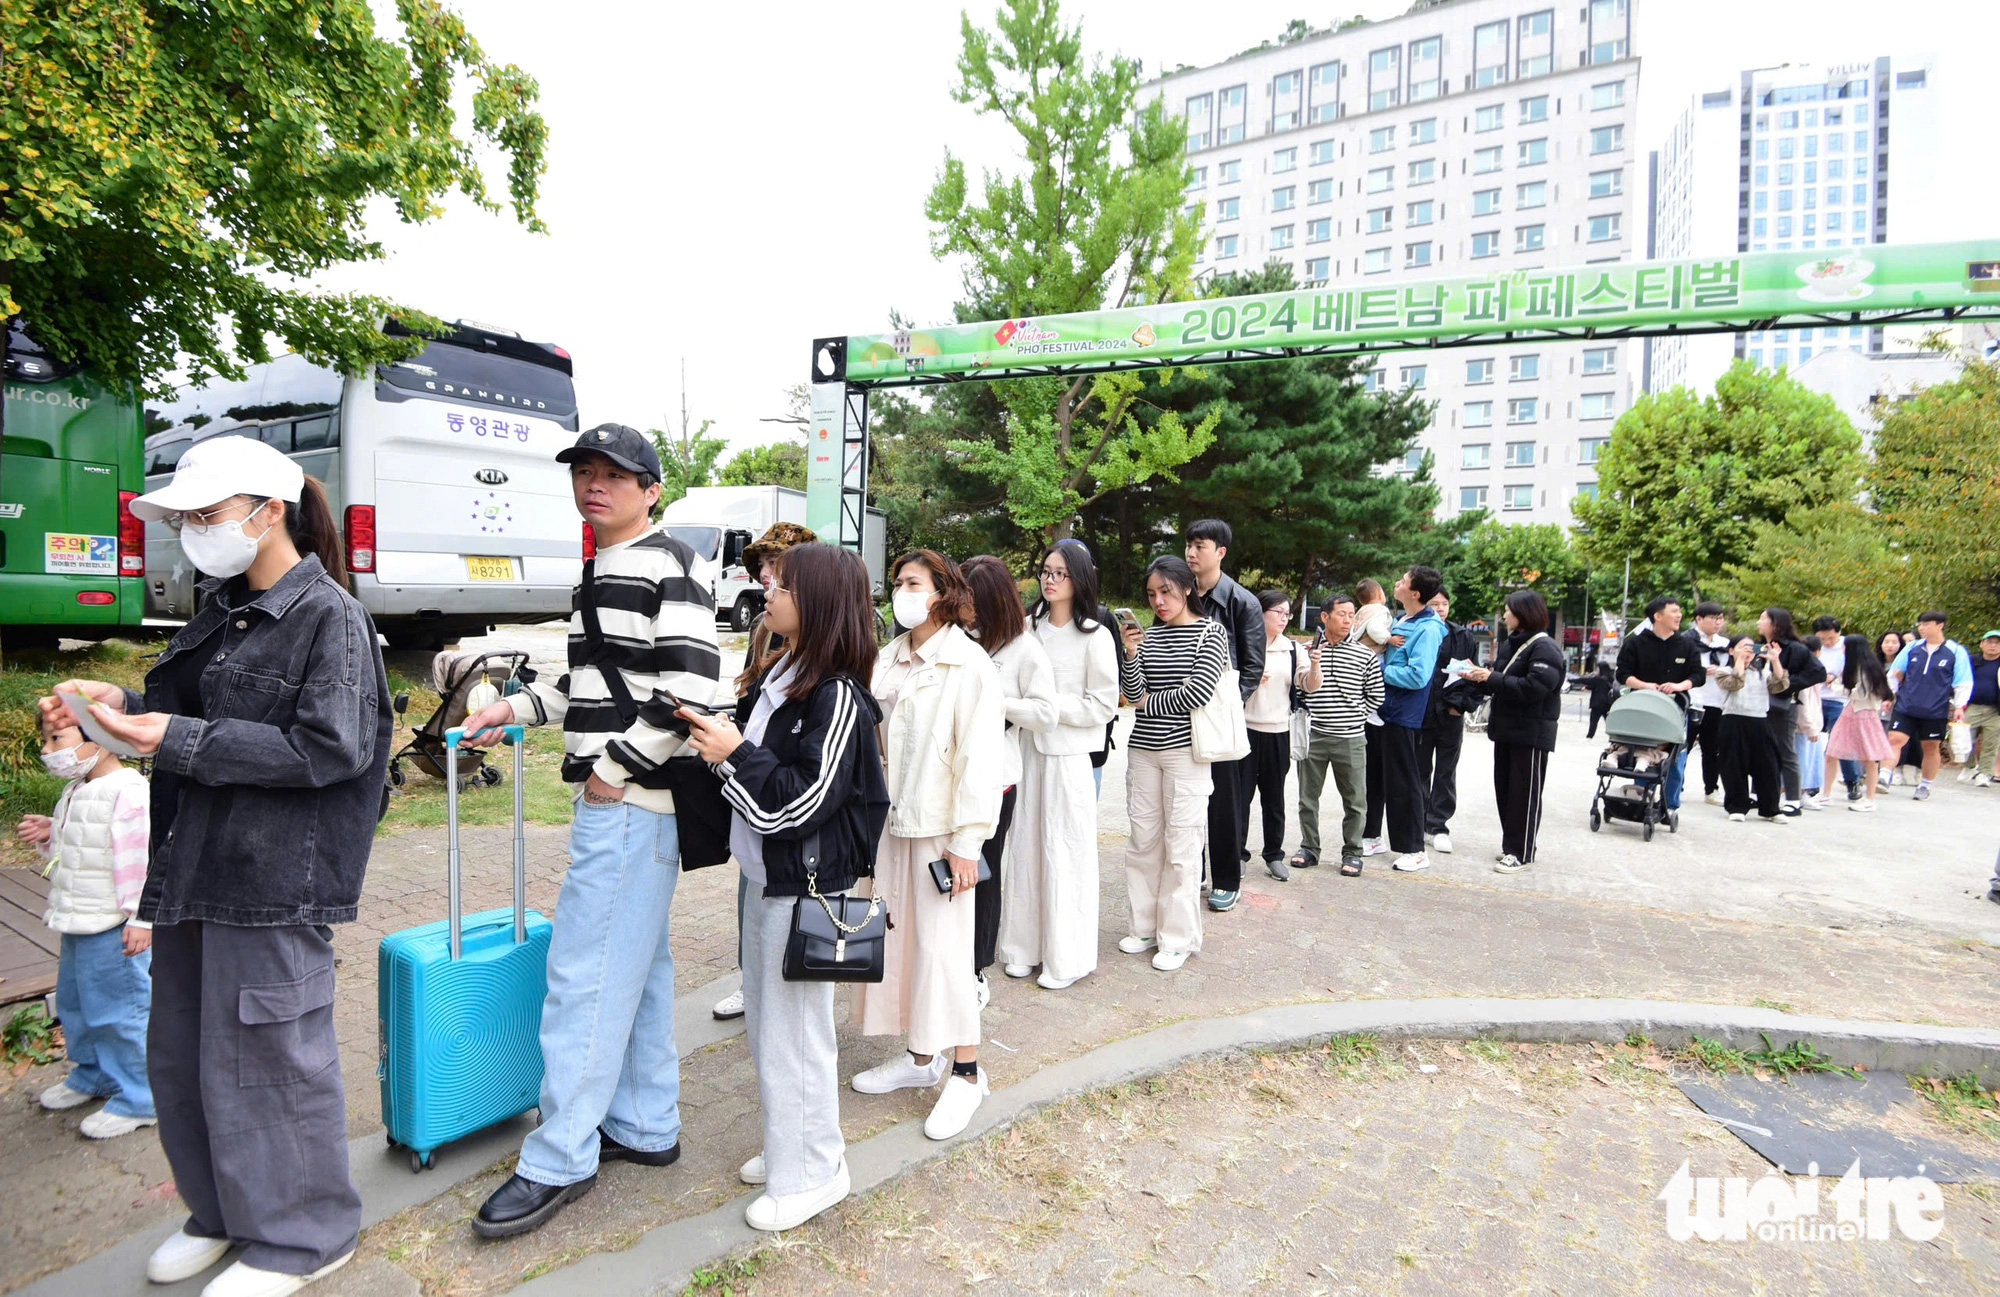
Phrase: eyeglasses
[1050,574]
[777,589]
[200,523]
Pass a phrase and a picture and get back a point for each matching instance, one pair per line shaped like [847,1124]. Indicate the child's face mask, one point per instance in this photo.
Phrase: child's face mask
[70,762]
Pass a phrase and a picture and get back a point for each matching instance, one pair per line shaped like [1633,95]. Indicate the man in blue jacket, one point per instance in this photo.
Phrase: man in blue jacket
[1933,681]
[1406,676]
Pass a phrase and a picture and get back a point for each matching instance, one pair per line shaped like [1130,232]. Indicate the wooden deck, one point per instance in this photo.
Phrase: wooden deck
[27,948]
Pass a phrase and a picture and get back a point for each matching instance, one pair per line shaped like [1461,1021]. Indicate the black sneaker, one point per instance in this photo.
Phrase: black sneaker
[1854,792]
[610,1150]
[521,1205]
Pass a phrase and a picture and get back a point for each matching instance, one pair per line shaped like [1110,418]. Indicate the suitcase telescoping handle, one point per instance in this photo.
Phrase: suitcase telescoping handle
[515,737]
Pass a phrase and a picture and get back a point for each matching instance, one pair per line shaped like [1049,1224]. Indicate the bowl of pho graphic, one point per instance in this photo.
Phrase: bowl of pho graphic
[1840,278]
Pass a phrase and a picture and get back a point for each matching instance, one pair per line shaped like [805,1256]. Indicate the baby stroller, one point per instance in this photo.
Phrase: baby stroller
[1640,720]
[455,674]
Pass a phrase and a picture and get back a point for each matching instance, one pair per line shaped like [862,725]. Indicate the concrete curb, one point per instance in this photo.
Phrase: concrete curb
[663,1259]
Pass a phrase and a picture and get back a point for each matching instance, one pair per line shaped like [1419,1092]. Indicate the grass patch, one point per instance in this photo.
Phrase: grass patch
[1959,1102]
[1352,1050]
[29,1037]
[1489,1049]
[1716,1056]
[722,1278]
[1780,1005]
[1799,1056]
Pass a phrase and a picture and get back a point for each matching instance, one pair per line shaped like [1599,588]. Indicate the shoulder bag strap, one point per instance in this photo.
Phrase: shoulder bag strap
[593,639]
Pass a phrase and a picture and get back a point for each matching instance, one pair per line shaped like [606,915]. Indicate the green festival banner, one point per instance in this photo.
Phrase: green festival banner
[1750,290]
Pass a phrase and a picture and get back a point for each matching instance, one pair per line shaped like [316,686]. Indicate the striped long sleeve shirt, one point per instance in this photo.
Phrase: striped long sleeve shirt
[658,623]
[1175,671]
[1350,687]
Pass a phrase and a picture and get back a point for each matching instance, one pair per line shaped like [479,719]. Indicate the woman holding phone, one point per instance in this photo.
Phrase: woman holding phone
[943,724]
[1169,672]
[269,725]
[799,764]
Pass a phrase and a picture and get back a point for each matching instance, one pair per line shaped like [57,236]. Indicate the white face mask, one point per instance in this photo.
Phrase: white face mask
[66,763]
[224,550]
[912,609]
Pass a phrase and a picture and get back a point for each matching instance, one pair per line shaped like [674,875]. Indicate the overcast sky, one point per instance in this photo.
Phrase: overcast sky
[728,182]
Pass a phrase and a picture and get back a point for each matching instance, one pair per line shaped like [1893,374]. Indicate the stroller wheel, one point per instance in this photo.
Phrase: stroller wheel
[1673,821]
[1596,820]
[489,775]
[396,775]
[1646,831]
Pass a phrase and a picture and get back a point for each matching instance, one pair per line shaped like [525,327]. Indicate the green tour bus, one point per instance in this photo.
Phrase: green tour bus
[72,555]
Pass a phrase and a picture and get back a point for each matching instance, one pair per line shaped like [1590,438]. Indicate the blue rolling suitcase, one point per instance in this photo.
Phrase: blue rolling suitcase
[460,1002]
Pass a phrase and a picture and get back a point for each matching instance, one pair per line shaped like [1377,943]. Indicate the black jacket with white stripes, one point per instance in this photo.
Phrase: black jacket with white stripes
[813,789]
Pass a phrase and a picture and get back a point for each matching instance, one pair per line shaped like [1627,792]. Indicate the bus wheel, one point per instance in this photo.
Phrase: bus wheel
[14,639]
[413,640]
[743,614]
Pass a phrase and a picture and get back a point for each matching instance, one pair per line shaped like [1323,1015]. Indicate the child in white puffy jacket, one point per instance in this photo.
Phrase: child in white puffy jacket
[96,848]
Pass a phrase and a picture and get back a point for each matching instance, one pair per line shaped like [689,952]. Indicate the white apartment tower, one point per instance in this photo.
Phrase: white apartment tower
[1462,138]
[1795,158]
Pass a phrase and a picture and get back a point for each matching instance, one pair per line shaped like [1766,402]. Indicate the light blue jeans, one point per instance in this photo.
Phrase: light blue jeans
[608,1023]
[104,1000]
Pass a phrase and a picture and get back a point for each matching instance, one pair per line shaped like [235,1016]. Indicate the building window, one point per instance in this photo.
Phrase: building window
[1226,246]
[1424,58]
[1479,414]
[1416,254]
[1490,118]
[1316,271]
[1372,381]
[1519,497]
[1375,261]
[1319,191]
[1521,410]
[1281,237]
[1533,194]
[1763,150]
[1489,54]
[1227,209]
[1325,86]
[1761,176]
[1600,360]
[1521,369]
[1319,231]
[1322,152]
[1586,490]
[1485,202]
[1607,184]
[1520,454]
[1414,375]
[1382,139]
[1425,131]
[1381,180]
[1423,171]
[1228,173]
[1384,79]
[1535,109]
[1596,405]
[1378,219]
[1285,160]
[1421,213]
[1229,115]
[1787,148]
[1603,229]
[1609,95]
[1486,243]
[1470,498]
[1591,449]
[1534,153]
[1199,180]
[1529,238]
[1485,160]
[1788,121]
[1198,122]
[1910,80]
[1607,139]
[1479,371]
[1281,199]
[1479,456]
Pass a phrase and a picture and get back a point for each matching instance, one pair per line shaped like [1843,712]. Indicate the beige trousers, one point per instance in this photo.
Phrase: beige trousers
[927,990]
[1166,800]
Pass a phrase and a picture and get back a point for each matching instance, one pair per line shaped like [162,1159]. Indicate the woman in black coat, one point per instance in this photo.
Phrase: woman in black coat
[1527,700]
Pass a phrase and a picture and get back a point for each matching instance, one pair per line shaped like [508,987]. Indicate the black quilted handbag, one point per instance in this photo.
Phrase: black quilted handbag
[835,938]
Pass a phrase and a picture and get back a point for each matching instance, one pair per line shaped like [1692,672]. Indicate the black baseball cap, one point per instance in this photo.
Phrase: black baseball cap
[626,447]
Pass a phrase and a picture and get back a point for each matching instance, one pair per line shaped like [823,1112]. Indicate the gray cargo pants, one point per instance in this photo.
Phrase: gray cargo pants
[246,1078]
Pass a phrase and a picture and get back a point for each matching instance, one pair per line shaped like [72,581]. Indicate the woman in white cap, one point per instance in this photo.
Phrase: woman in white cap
[269,725]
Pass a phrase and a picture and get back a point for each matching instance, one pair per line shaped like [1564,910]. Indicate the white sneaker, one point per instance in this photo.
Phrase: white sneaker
[1982,780]
[1737,818]
[109,1125]
[983,989]
[961,1098]
[184,1256]
[900,1073]
[1170,961]
[1019,970]
[1410,862]
[1713,799]
[1048,983]
[1865,807]
[1441,842]
[794,1209]
[1374,847]
[729,1006]
[753,1172]
[59,1096]
[1136,945]
[1814,803]
[1509,865]
[242,1280]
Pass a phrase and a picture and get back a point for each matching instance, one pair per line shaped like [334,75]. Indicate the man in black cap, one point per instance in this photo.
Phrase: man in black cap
[641,641]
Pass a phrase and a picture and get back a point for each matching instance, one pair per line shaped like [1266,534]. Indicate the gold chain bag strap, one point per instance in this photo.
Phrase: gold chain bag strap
[835,938]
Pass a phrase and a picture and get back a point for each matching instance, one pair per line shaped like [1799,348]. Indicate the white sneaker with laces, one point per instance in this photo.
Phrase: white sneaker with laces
[794,1209]
[900,1073]
[1866,807]
[1815,803]
[1374,847]
[1169,961]
[1982,780]
[183,1256]
[242,1280]
[1048,983]
[1019,970]
[1133,944]
[753,1172]
[961,1098]
[1442,842]
[59,1096]
[1509,865]
[729,1006]
[109,1125]
[1410,862]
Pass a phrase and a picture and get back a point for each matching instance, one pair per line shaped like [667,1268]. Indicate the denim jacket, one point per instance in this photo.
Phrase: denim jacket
[282,765]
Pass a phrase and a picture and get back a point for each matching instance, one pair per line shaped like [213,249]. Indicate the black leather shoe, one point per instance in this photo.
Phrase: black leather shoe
[610,1150]
[522,1205]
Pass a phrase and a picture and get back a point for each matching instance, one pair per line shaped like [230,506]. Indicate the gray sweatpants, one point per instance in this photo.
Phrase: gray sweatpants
[246,1078]
[790,1026]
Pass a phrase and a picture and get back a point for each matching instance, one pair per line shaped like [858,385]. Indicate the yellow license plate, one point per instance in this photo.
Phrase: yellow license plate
[489,569]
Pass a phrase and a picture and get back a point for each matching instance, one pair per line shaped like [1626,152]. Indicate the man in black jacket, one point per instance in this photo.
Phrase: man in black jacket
[1242,616]
[1658,657]
[1443,734]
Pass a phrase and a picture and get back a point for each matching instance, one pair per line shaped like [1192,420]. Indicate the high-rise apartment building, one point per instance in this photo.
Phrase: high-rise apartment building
[1799,158]
[1462,138]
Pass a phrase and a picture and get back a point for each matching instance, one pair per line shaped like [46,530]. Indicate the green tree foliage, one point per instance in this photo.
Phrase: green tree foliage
[1498,559]
[1935,481]
[170,171]
[1095,217]
[687,459]
[1687,480]
[782,463]
[1831,561]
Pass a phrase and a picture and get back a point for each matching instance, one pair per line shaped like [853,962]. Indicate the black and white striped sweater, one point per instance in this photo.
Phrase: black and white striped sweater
[658,622]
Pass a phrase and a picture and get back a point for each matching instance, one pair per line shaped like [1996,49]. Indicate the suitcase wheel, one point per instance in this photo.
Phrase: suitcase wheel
[421,1162]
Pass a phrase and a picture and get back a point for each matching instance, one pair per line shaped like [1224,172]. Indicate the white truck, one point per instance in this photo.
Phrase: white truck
[720,522]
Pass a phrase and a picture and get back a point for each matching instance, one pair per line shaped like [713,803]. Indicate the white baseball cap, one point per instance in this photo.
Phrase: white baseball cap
[213,470]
